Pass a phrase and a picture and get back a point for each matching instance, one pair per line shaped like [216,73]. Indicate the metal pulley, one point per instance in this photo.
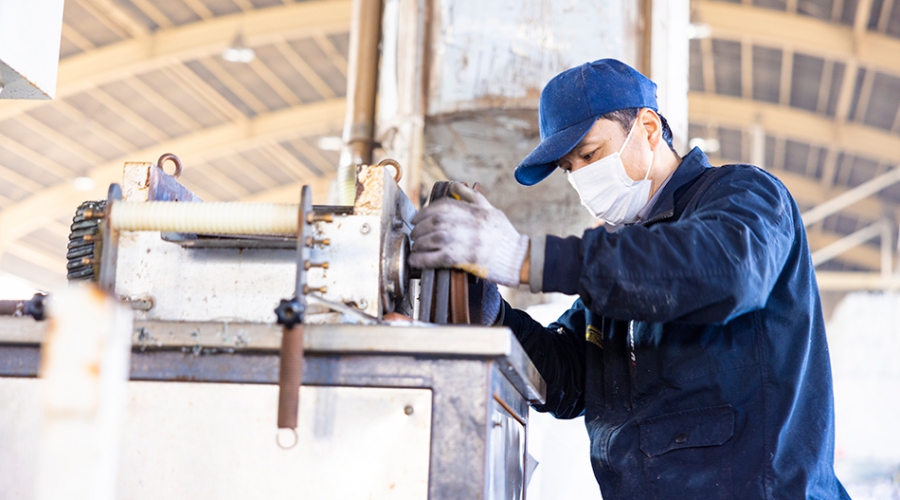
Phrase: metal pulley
[449,296]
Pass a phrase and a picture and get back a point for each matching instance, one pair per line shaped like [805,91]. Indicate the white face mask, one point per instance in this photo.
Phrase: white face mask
[608,192]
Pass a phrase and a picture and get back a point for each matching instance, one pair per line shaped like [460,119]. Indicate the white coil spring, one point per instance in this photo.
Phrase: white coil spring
[213,217]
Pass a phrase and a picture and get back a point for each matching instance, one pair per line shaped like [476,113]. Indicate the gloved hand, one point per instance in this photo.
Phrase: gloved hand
[464,231]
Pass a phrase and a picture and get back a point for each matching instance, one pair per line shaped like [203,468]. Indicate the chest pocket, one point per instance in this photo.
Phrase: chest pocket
[689,452]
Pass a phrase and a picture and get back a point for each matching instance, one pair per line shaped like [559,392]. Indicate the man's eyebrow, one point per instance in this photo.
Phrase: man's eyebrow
[584,142]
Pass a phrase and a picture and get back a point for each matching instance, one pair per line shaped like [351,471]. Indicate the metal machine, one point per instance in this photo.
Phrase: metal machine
[229,299]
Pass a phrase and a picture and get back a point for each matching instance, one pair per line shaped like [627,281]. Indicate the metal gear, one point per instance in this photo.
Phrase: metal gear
[85,242]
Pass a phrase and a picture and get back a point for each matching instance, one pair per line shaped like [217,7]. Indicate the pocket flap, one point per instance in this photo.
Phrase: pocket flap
[710,426]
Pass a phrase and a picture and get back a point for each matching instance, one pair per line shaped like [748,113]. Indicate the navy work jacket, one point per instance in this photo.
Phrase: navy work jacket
[696,351]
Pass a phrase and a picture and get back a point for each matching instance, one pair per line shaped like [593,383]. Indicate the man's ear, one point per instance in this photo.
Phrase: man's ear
[652,125]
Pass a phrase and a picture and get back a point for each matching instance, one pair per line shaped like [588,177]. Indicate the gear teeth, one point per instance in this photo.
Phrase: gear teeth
[80,250]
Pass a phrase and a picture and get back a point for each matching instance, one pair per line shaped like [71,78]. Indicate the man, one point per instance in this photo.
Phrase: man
[696,351]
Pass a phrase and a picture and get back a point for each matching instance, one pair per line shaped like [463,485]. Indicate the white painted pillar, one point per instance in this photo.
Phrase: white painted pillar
[669,52]
[85,362]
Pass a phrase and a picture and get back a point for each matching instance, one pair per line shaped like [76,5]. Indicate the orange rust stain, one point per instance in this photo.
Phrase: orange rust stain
[97,294]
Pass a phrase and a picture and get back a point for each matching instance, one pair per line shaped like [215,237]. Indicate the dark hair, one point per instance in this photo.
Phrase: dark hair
[626,117]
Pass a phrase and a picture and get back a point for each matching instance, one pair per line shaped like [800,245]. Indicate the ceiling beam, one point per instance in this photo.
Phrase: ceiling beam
[117,15]
[53,263]
[803,34]
[290,193]
[290,164]
[247,96]
[340,60]
[846,281]
[808,192]
[152,11]
[309,119]
[816,129]
[862,255]
[163,47]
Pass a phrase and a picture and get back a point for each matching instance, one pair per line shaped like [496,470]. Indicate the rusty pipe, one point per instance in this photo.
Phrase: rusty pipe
[362,86]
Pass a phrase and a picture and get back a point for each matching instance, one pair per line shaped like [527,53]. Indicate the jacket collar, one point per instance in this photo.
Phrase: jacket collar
[692,166]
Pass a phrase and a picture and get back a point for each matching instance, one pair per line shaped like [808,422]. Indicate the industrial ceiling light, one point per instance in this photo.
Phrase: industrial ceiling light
[330,143]
[238,51]
[83,183]
[696,31]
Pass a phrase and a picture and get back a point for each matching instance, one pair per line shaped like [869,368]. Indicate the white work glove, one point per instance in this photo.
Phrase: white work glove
[464,231]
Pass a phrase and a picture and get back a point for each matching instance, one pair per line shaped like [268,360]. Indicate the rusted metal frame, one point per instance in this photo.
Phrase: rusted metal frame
[362,84]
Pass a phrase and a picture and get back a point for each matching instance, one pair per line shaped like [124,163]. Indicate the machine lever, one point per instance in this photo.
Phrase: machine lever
[290,315]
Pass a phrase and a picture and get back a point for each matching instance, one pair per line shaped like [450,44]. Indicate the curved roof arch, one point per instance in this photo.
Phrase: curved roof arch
[810,90]
[140,78]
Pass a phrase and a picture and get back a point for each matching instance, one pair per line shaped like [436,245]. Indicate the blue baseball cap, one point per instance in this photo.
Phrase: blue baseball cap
[572,101]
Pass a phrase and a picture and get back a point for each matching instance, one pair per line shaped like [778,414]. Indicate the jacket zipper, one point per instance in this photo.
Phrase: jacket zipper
[664,215]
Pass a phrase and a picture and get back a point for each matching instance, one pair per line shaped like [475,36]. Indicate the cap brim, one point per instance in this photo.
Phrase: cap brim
[542,161]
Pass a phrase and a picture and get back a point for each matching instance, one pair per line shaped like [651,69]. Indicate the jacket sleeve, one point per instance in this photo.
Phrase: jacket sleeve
[558,352]
[715,263]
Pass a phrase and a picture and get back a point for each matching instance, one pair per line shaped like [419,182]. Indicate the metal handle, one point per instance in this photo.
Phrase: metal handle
[290,377]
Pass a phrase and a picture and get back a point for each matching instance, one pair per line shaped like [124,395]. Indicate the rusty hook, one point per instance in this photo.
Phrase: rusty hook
[174,159]
[389,161]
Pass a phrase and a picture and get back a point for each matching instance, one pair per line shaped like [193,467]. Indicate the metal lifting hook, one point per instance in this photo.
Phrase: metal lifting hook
[388,161]
[174,159]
